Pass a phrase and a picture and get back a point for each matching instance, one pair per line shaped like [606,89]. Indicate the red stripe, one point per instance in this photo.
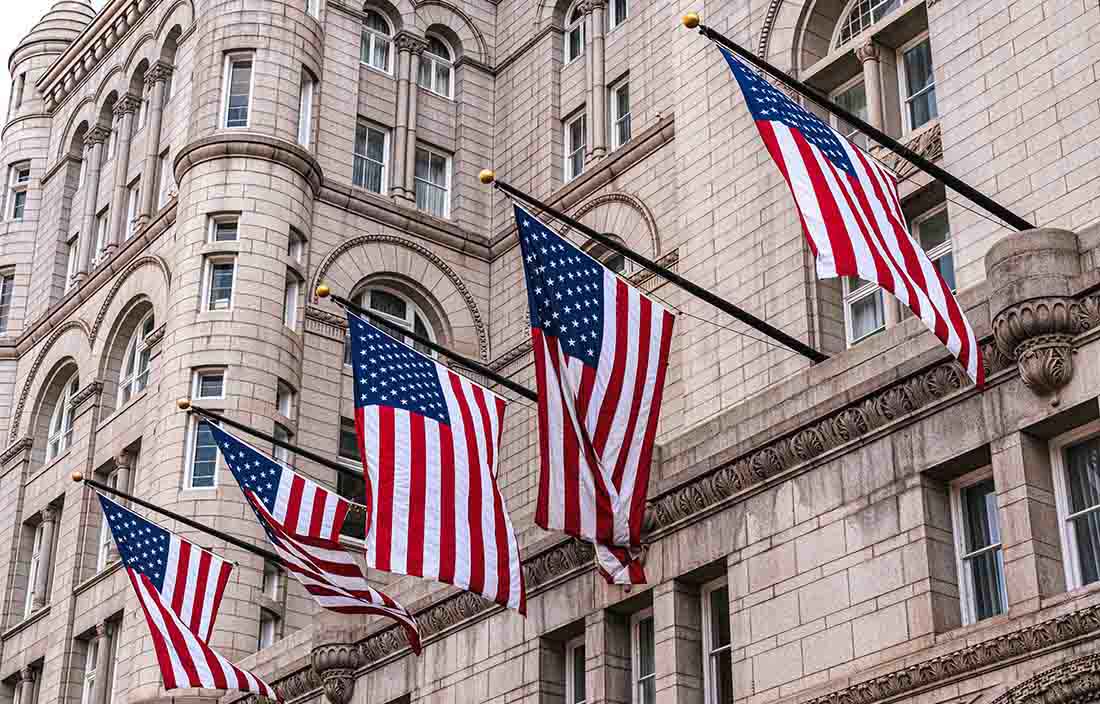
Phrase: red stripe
[179,645]
[476,547]
[317,513]
[383,529]
[339,515]
[418,492]
[570,449]
[368,488]
[294,504]
[164,660]
[200,592]
[183,562]
[223,580]
[642,338]
[500,530]
[542,506]
[447,505]
[645,457]
[618,370]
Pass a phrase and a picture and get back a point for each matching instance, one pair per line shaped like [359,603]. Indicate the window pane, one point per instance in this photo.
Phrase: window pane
[576,43]
[225,231]
[386,302]
[221,284]
[722,671]
[349,441]
[355,525]
[206,456]
[985,572]
[424,73]
[646,662]
[1083,469]
[211,385]
[240,78]
[381,54]
[979,504]
[945,264]
[1087,531]
[854,100]
[19,206]
[719,618]
[867,315]
[443,78]
[579,693]
[934,230]
[438,174]
[376,145]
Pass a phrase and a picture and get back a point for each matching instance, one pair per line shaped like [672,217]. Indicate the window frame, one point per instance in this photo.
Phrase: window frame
[1071,555]
[709,651]
[635,654]
[87,682]
[958,525]
[903,88]
[571,647]
[375,35]
[570,149]
[291,292]
[413,310]
[72,264]
[616,119]
[571,25]
[133,204]
[306,90]
[947,247]
[313,8]
[835,121]
[208,285]
[18,187]
[135,346]
[103,549]
[614,21]
[447,189]
[296,245]
[281,453]
[102,235]
[196,382]
[232,57]
[222,219]
[34,565]
[165,176]
[192,451]
[62,412]
[386,157]
[838,31]
[850,296]
[7,293]
[434,60]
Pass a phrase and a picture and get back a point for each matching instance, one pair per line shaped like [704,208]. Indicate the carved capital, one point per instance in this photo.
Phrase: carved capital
[127,105]
[102,630]
[49,514]
[160,71]
[336,663]
[868,52]
[92,390]
[96,135]
[411,43]
[26,674]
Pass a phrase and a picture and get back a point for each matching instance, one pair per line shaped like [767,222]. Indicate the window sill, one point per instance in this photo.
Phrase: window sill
[375,69]
[123,408]
[570,62]
[100,576]
[429,91]
[27,622]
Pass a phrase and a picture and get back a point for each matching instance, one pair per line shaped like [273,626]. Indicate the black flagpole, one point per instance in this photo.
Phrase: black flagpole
[323,291]
[691,21]
[744,316]
[248,547]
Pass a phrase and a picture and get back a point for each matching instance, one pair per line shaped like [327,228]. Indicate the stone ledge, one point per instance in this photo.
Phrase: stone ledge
[250,144]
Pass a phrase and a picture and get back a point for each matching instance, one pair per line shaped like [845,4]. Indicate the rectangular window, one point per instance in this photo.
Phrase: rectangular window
[272,581]
[716,643]
[133,200]
[290,302]
[105,530]
[620,10]
[620,114]
[284,399]
[978,544]
[268,628]
[220,272]
[919,84]
[102,225]
[305,107]
[372,149]
[204,456]
[7,286]
[1078,494]
[165,179]
[209,383]
[19,175]
[864,314]
[223,228]
[575,686]
[576,136]
[348,486]
[91,655]
[852,98]
[237,89]
[34,565]
[277,451]
[933,231]
[72,261]
[644,664]
[296,245]
[574,35]
[433,182]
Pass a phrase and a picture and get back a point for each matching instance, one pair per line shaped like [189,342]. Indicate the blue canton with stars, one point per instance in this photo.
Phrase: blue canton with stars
[143,546]
[564,289]
[767,103]
[253,470]
[389,373]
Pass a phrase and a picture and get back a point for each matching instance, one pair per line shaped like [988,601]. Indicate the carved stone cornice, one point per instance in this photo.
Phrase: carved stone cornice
[1073,682]
[97,135]
[299,683]
[93,389]
[157,336]
[23,444]
[227,146]
[556,562]
[335,664]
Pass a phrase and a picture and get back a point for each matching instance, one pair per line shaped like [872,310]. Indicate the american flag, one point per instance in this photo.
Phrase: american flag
[430,443]
[601,351]
[303,520]
[851,213]
[179,586]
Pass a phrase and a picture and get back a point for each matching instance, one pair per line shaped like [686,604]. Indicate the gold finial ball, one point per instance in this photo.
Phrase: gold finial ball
[487,176]
[78,476]
[691,20]
[183,404]
[323,291]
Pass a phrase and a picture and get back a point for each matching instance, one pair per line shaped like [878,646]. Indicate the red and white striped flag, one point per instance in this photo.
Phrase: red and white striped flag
[851,213]
[430,442]
[302,520]
[601,352]
[179,586]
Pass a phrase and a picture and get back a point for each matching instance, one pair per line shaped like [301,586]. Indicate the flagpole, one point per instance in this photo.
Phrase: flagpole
[488,177]
[691,21]
[186,405]
[323,291]
[79,477]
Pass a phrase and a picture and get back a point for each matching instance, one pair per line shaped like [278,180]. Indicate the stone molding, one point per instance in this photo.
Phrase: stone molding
[630,201]
[92,390]
[256,146]
[451,274]
[17,416]
[1073,682]
[766,28]
[97,135]
[868,51]
[160,71]
[335,664]
[928,143]
[120,280]
[408,42]
[965,660]
[126,105]
[23,444]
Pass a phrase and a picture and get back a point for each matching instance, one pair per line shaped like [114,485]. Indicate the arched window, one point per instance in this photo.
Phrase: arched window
[574,33]
[435,68]
[134,375]
[61,422]
[375,41]
[859,15]
[402,314]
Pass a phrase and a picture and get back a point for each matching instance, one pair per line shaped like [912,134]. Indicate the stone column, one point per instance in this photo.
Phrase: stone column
[103,642]
[417,50]
[870,56]
[597,84]
[125,114]
[607,649]
[26,686]
[122,466]
[401,122]
[678,641]
[1031,275]
[155,81]
[45,559]
[93,155]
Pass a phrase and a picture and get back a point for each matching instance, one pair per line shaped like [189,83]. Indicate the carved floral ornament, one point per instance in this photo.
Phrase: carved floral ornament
[1073,682]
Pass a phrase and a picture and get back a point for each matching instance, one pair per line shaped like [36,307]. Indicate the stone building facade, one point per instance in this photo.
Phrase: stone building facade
[179,175]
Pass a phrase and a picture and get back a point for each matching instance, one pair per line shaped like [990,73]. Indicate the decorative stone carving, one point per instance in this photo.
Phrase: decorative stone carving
[160,71]
[1034,315]
[335,664]
[33,373]
[92,390]
[928,142]
[20,445]
[867,52]
[97,135]
[556,562]
[410,42]
[126,105]
[1073,682]
[145,260]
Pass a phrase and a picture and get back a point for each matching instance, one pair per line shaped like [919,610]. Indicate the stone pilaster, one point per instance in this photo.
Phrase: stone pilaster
[103,640]
[93,157]
[405,44]
[678,641]
[417,47]
[156,80]
[125,113]
[45,559]
[607,647]
[26,686]
[597,80]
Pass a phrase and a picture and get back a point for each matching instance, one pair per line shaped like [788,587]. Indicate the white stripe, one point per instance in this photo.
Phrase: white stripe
[484,473]
[402,475]
[282,497]
[462,492]
[586,474]
[433,479]
[169,588]
[192,577]
[210,592]
[371,426]
[156,623]
[554,434]
[328,518]
[605,367]
[809,207]
[193,651]
[617,441]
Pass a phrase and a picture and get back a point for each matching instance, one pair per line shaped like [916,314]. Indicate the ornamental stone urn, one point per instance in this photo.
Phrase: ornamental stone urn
[1031,275]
